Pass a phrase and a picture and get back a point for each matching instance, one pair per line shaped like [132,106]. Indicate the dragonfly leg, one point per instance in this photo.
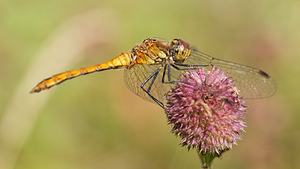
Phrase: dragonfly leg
[167,68]
[153,76]
[188,65]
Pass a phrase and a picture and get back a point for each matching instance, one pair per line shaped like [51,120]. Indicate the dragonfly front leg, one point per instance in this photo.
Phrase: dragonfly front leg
[168,69]
[188,65]
[153,76]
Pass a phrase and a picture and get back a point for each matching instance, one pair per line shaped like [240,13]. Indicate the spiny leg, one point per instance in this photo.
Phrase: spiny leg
[188,67]
[168,69]
[153,76]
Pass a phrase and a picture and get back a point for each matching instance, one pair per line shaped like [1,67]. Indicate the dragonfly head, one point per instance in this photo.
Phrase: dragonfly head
[180,50]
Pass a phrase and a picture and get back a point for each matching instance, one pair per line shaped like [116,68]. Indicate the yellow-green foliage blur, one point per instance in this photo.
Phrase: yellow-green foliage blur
[95,122]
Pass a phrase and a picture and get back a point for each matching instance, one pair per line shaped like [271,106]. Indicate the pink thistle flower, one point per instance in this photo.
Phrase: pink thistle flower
[206,111]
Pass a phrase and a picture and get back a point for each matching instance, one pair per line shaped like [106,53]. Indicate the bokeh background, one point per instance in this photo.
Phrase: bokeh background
[96,122]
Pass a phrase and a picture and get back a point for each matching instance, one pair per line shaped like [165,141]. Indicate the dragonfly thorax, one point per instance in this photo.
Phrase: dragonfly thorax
[180,50]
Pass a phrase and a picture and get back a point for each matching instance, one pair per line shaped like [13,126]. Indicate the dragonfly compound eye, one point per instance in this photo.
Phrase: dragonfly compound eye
[181,50]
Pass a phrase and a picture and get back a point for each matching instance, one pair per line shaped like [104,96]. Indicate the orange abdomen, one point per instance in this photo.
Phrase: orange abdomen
[122,61]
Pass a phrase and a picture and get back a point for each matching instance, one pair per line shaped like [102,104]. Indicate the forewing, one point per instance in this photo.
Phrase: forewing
[252,82]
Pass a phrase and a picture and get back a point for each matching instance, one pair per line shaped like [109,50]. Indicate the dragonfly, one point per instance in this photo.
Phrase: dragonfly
[154,66]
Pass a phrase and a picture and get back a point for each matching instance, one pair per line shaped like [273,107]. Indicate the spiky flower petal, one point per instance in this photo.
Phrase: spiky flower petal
[206,111]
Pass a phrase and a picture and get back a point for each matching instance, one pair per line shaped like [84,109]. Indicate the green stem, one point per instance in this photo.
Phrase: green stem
[206,159]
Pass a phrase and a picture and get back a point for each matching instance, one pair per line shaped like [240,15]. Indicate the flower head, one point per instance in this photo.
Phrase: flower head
[206,111]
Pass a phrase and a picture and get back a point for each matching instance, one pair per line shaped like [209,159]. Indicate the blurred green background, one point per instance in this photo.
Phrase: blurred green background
[96,122]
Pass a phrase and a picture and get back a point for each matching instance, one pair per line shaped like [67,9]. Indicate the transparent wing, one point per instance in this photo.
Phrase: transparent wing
[252,82]
[136,75]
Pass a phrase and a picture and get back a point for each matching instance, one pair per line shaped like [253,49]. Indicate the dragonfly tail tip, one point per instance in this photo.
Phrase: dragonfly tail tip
[35,90]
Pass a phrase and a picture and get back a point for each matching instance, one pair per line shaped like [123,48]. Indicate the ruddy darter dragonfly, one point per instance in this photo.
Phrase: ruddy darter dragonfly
[153,67]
